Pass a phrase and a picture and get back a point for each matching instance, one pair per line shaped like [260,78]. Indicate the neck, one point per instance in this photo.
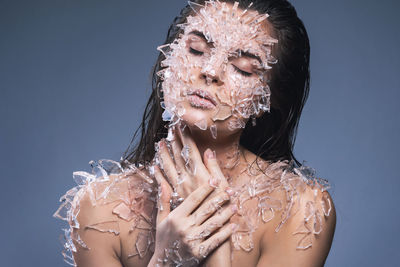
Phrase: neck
[226,146]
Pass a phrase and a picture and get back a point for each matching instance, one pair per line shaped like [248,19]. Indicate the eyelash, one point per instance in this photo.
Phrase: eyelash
[245,73]
[200,53]
[195,52]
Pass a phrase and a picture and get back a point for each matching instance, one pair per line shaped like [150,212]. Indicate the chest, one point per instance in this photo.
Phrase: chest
[246,242]
[246,251]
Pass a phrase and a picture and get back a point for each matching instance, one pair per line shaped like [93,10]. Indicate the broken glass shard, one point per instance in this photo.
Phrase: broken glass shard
[105,227]
[202,124]
[213,130]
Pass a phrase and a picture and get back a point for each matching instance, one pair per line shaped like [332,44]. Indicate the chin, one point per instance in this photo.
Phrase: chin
[195,115]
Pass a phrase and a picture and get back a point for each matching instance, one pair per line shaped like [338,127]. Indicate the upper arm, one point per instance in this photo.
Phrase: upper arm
[107,232]
[305,239]
[100,252]
[97,239]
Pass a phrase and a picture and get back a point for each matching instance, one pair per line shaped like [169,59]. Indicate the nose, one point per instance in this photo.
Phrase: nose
[212,69]
[211,76]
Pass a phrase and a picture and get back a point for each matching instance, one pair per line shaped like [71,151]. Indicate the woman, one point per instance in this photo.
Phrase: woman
[221,187]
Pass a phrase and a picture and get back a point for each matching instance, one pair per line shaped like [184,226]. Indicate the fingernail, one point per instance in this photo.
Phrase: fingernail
[163,144]
[234,208]
[214,182]
[209,153]
[229,191]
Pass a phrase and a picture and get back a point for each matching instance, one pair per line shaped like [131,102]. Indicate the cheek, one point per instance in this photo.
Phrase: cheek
[177,76]
[237,87]
[245,95]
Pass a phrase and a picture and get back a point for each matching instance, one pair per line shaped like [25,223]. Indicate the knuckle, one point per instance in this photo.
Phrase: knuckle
[196,199]
[210,207]
[207,186]
[224,195]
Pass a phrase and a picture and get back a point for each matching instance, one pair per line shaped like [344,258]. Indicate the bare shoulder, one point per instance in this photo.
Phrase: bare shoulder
[306,224]
[111,219]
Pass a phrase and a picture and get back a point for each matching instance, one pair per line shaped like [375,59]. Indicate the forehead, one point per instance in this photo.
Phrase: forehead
[231,28]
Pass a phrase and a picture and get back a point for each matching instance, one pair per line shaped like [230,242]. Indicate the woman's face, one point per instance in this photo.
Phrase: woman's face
[216,71]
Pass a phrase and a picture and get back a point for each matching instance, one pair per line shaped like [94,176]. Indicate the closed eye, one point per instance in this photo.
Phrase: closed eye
[244,73]
[195,52]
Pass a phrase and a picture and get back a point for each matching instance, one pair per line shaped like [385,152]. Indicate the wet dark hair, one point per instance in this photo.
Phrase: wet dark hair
[273,136]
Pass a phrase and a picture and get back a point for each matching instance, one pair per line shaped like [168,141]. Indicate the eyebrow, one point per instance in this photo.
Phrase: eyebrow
[242,53]
[199,34]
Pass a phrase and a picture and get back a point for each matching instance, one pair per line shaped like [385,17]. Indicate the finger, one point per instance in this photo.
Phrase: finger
[176,151]
[211,163]
[207,246]
[190,150]
[194,199]
[164,194]
[212,205]
[168,164]
[218,219]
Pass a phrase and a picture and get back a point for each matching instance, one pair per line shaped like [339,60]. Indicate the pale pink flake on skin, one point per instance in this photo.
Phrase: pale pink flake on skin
[124,212]
[223,112]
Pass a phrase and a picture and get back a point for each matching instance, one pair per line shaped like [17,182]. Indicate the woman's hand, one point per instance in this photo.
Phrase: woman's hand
[186,169]
[196,227]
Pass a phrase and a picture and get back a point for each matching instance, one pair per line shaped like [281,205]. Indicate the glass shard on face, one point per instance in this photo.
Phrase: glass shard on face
[236,123]
[223,112]
[213,129]
[202,124]
[225,52]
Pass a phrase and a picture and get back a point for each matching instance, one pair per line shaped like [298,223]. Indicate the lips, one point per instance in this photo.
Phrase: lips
[203,94]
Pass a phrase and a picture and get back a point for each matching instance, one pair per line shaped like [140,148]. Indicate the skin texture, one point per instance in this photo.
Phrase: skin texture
[210,183]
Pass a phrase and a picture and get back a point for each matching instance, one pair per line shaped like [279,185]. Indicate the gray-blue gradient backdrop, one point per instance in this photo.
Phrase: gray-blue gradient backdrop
[74,80]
